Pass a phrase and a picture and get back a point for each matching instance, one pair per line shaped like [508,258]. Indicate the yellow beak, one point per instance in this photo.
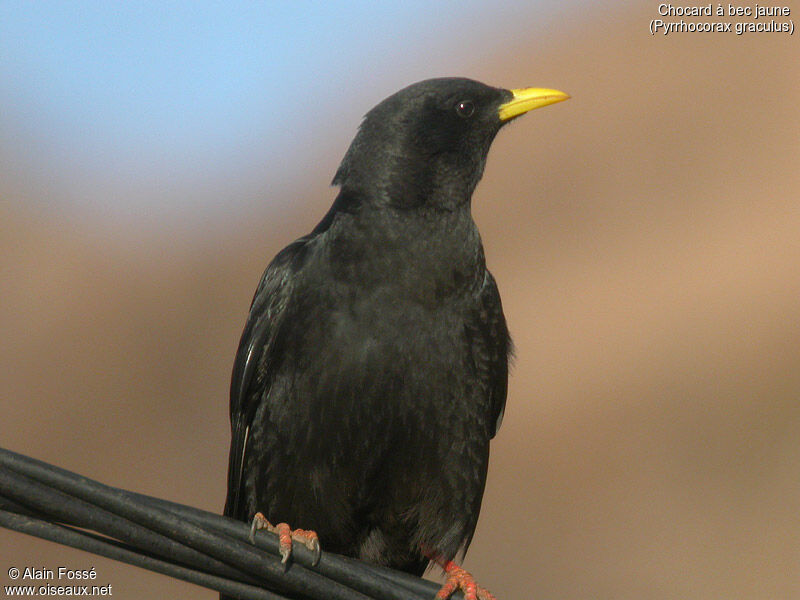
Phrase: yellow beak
[526,99]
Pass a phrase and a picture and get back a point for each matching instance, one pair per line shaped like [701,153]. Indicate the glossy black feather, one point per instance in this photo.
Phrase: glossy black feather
[372,371]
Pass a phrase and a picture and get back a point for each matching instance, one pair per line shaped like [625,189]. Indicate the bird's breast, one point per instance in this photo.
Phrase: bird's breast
[379,357]
[379,330]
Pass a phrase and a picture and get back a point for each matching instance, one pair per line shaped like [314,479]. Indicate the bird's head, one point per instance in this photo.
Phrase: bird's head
[427,144]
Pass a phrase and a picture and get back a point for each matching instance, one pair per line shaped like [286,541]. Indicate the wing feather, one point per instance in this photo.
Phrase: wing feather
[491,350]
[252,367]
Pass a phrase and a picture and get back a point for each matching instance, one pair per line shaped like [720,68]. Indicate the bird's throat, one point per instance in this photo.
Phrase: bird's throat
[421,256]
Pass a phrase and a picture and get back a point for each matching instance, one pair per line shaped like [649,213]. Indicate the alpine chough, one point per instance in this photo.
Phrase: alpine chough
[373,367]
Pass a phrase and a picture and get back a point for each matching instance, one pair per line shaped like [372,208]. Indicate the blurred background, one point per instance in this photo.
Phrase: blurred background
[645,236]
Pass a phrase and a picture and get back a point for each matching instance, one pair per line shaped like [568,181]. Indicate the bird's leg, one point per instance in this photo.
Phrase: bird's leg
[459,579]
[286,536]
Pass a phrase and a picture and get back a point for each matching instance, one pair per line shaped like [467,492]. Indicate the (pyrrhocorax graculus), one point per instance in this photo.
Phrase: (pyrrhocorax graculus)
[372,371]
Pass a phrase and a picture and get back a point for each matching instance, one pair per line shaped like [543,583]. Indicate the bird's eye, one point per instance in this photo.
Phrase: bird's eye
[465,108]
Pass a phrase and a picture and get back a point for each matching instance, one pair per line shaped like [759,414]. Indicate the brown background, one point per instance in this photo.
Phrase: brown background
[646,239]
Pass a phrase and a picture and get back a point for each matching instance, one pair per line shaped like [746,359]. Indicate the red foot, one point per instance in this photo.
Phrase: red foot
[459,579]
[285,537]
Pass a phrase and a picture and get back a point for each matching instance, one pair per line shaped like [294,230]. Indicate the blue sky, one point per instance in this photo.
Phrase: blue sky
[109,101]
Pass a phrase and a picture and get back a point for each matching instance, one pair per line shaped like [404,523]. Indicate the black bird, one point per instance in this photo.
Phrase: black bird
[372,371]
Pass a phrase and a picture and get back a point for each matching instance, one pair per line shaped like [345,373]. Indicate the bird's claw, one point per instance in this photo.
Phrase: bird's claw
[286,536]
[459,579]
[259,522]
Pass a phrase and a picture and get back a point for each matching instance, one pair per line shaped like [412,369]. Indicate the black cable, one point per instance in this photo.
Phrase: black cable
[67,536]
[146,526]
[373,580]
[188,538]
[66,509]
[350,572]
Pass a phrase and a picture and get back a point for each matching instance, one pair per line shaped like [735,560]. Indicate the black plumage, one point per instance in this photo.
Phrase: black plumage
[373,367]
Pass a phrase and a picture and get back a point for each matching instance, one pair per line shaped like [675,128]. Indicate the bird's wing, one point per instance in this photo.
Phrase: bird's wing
[252,367]
[491,350]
